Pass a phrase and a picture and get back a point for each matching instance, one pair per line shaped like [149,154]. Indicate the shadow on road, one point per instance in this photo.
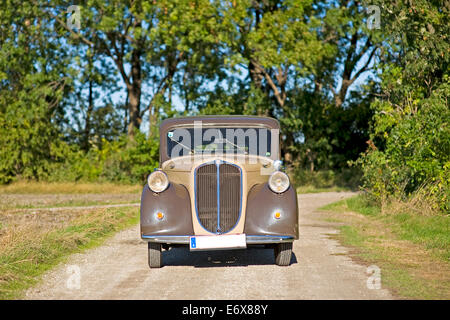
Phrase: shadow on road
[182,256]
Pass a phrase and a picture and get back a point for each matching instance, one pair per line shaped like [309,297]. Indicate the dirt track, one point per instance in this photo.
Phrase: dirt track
[320,269]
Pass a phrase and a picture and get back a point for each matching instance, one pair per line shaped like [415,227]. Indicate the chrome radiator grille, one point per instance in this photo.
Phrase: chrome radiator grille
[206,189]
[218,196]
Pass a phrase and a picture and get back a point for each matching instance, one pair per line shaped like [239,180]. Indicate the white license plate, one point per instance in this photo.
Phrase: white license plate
[227,241]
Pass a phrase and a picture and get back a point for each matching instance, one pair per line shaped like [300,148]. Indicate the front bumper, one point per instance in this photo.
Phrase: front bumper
[250,239]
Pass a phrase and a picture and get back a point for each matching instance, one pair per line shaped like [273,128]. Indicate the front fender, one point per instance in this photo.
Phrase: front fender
[262,203]
[174,203]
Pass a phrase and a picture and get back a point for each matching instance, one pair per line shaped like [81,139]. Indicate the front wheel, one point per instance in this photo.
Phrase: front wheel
[154,255]
[283,253]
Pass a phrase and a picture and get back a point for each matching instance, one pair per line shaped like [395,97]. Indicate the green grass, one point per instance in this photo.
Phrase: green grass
[30,187]
[412,250]
[314,189]
[352,236]
[433,232]
[26,258]
[305,181]
[66,204]
[357,203]
[399,279]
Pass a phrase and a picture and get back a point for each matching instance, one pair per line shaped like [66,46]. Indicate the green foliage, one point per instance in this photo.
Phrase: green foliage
[28,144]
[415,157]
[346,178]
[314,65]
[409,151]
[32,83]
[130,161]
[122,161]
[329,137]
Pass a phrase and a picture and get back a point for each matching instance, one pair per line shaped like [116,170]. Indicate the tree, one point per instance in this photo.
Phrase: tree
[354,47]
[264,37]
[92,115]
[33,80]
[309,49]
[409,148]
[146,41]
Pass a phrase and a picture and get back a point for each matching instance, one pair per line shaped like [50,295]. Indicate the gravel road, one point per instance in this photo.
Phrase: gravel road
[320,269]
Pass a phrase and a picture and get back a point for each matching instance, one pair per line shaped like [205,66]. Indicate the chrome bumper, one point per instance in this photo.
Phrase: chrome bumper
[250,239]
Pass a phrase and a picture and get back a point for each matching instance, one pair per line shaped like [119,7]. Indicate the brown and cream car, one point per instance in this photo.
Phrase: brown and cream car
[219,186]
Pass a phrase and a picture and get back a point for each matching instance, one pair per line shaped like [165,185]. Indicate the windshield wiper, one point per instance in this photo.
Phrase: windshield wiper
[191,151]
[229,142]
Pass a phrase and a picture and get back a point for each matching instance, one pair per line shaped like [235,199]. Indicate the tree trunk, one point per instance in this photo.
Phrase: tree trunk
[154,116]
[134,94]
[125,119]
[256,78]
[165,84]
[134,111]
[310,155]
[87,124]
[288,156]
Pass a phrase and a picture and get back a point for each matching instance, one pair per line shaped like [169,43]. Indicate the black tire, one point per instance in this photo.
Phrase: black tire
[283,253]
[154,255]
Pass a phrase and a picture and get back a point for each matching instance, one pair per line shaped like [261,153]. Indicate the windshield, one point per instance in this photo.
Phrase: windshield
[235,140]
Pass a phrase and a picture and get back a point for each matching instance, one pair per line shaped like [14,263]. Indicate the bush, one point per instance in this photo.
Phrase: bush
[415,159]
[348,178]
[130,161]
[121,161]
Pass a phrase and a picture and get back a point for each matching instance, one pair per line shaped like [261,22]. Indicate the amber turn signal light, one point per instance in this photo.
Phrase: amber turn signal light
[159,215]
[277,215]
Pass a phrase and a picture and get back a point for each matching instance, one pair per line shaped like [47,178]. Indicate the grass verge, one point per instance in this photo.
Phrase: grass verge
[307,181]
[313,189]
[30,187]
[32,201]
[31,245]
[412,250]
[68,204]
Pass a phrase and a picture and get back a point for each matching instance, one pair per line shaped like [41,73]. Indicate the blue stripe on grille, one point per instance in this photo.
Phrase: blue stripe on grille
[218,195]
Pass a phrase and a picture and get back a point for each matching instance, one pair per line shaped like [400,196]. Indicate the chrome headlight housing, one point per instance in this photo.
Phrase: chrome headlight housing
[158,181]
[279,182]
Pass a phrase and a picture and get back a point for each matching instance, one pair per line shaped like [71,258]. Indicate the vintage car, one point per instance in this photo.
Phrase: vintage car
[220,185]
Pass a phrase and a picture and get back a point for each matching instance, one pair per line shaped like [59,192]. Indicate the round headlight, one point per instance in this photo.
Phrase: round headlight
[279,182]
[157,181]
